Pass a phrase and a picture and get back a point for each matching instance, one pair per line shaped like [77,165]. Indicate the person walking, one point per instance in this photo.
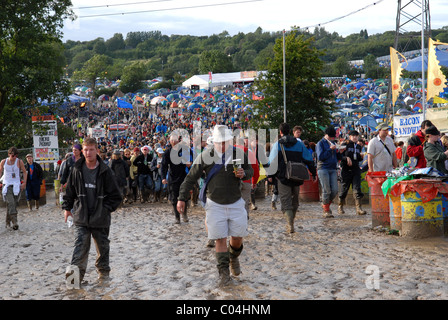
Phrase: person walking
[143,163]
[176,171]
[328,156]
[93,194]
[351,173]
[133,174]
[221,197]
[121,172]
[34,181]
[381,154]
[10,169]
[288,190]
[156,167]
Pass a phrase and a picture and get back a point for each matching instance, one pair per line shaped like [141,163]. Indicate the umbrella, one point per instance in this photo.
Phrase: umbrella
[103,97]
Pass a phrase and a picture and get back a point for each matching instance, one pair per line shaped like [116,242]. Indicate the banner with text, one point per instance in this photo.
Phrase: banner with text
[45,139]
[405,126]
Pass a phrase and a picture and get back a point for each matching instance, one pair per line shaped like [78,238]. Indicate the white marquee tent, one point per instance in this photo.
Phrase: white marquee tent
[208,81]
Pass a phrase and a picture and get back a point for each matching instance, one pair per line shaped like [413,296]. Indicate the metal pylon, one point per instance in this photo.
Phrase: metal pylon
[409,18]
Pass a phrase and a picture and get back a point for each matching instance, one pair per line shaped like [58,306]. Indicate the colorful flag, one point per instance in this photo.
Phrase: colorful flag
[396,69]
[436,79]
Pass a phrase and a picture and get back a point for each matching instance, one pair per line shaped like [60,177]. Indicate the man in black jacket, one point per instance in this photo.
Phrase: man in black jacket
[175,164]
[34,181]
[92,194]
[351,173]
[143,164]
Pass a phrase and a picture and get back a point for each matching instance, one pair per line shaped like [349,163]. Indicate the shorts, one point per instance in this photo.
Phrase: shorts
[224,220]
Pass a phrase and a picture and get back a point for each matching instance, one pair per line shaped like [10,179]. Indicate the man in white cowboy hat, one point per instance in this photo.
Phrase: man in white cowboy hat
[221,197]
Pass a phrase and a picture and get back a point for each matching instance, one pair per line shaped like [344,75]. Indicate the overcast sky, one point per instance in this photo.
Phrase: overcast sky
[207,17]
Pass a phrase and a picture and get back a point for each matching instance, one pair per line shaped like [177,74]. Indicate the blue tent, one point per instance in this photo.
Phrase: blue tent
[123,104]
[415,65]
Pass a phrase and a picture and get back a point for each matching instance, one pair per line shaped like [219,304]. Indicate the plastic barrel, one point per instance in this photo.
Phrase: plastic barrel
[378,203]
[421,220]
[395,212]
[309,190]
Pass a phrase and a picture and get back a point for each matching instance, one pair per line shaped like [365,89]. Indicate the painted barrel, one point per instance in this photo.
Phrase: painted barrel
[379,203]
[395,212]
[445,214]
[309,190]
[421,220]
[43,190]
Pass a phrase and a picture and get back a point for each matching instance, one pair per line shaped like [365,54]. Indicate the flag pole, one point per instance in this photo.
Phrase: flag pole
[284,80]
[423,63]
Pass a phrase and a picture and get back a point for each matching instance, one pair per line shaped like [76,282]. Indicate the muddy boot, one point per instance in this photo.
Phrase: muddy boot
[8,220]
[326,211]
[36,203]
[290,221]
[30,206]
[184,215]
[234,262]
[176,215]
[359,210]
[15,226]
[223,259]
[210,243]
[341,206]
[252,202]
[273,206]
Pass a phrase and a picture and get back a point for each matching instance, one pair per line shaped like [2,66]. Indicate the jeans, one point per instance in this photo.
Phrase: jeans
[82,248]
[329,183]
[158,184]
[145,180]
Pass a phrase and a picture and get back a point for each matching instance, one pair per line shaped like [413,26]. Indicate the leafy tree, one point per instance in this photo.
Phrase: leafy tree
[214,61]
[31,62]
[307,100]
[93,68]
[132,77]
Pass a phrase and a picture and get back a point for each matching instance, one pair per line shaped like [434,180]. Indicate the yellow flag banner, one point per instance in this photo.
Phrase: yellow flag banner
[395,68]
[262,173]
[436,79]
[440,100]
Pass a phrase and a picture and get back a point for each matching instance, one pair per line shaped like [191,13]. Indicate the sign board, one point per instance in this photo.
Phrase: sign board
[45,139]
[405,126]
[97,132]
[438,117]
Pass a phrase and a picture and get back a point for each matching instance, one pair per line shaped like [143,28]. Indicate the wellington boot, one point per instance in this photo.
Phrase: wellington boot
[223,259]
[30,206]
[273,205]
[341,206]
[290,215]
[234,262]
[359,210]
[327,211]
[36,203]
[184,215]
[176,215]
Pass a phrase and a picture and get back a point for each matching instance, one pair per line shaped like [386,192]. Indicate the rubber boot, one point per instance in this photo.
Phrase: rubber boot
[13,218]
[290,221]
[184,214]
[223,259]
[326,210]
[252,202]
[359,210]
[30,206]
[341,206]
[36,203]
[176,214]
[234,262]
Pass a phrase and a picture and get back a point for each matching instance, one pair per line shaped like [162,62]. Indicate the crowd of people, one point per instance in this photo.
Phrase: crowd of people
[208,159]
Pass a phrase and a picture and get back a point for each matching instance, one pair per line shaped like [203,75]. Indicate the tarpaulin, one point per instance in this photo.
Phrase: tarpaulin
[426,188]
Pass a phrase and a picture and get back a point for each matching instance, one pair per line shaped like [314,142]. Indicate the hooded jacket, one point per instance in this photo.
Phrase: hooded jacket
[415,149]
[108,196]
[435,156]
[295,151]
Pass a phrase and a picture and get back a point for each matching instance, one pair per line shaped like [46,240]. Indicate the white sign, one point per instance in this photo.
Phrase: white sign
[97,132]
[46,145]
[405,126]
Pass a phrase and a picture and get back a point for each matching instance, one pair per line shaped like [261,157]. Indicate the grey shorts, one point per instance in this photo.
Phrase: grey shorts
[226,220]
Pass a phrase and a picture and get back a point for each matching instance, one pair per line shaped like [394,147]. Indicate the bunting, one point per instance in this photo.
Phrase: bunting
[436,79]
[396,69]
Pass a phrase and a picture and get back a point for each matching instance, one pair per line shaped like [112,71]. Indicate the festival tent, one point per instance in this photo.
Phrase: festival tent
[220,79]
[415,65]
